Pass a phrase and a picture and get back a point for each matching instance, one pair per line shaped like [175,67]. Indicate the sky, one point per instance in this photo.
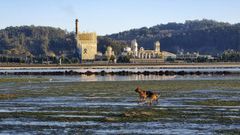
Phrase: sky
[113,16]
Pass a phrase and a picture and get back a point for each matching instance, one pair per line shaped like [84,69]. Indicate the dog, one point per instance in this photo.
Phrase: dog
[143,95]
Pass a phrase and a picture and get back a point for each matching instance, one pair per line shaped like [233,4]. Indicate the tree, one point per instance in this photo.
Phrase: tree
[123,59]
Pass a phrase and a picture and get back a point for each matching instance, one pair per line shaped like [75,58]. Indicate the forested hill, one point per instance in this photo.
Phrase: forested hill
[36,41]
[204,36]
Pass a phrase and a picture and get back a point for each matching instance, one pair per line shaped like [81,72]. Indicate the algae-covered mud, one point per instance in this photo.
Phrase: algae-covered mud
[42,106]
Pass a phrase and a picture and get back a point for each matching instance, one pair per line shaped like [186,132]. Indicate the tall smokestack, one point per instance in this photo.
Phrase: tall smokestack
[76,23]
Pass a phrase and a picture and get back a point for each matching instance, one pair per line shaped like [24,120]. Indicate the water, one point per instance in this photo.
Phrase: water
[99,78]
[133,69]
[25,125]
[134,77]
[85,111]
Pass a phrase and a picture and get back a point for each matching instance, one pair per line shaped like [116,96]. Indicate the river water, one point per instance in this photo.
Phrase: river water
[133,69]
[17,116]
[92,78]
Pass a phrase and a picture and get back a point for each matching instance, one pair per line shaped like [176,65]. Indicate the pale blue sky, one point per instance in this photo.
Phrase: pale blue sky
[111,16]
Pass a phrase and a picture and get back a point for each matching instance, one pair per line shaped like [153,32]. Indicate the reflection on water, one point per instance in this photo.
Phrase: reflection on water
[89,78]
[143,77]
[135,69]
[133,77]
[121,78]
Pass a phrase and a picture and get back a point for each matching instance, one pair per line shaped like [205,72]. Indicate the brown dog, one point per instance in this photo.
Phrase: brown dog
[143,95]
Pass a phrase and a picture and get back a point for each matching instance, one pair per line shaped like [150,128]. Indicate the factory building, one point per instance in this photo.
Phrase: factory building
[86,44]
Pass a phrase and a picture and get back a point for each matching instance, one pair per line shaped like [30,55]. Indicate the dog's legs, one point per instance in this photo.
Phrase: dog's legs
[150,102]
[141,99]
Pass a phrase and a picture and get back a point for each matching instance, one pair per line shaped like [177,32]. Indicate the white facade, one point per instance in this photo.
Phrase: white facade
[127,49]
[157,46]
[134,47]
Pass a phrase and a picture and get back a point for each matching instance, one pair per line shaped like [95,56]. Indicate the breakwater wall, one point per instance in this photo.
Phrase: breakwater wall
[123,72]
[184,69]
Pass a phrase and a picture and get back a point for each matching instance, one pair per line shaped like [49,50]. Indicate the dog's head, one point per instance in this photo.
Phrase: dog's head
[138,90]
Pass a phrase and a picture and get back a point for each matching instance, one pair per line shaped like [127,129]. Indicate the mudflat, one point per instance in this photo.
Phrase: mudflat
[37,105]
